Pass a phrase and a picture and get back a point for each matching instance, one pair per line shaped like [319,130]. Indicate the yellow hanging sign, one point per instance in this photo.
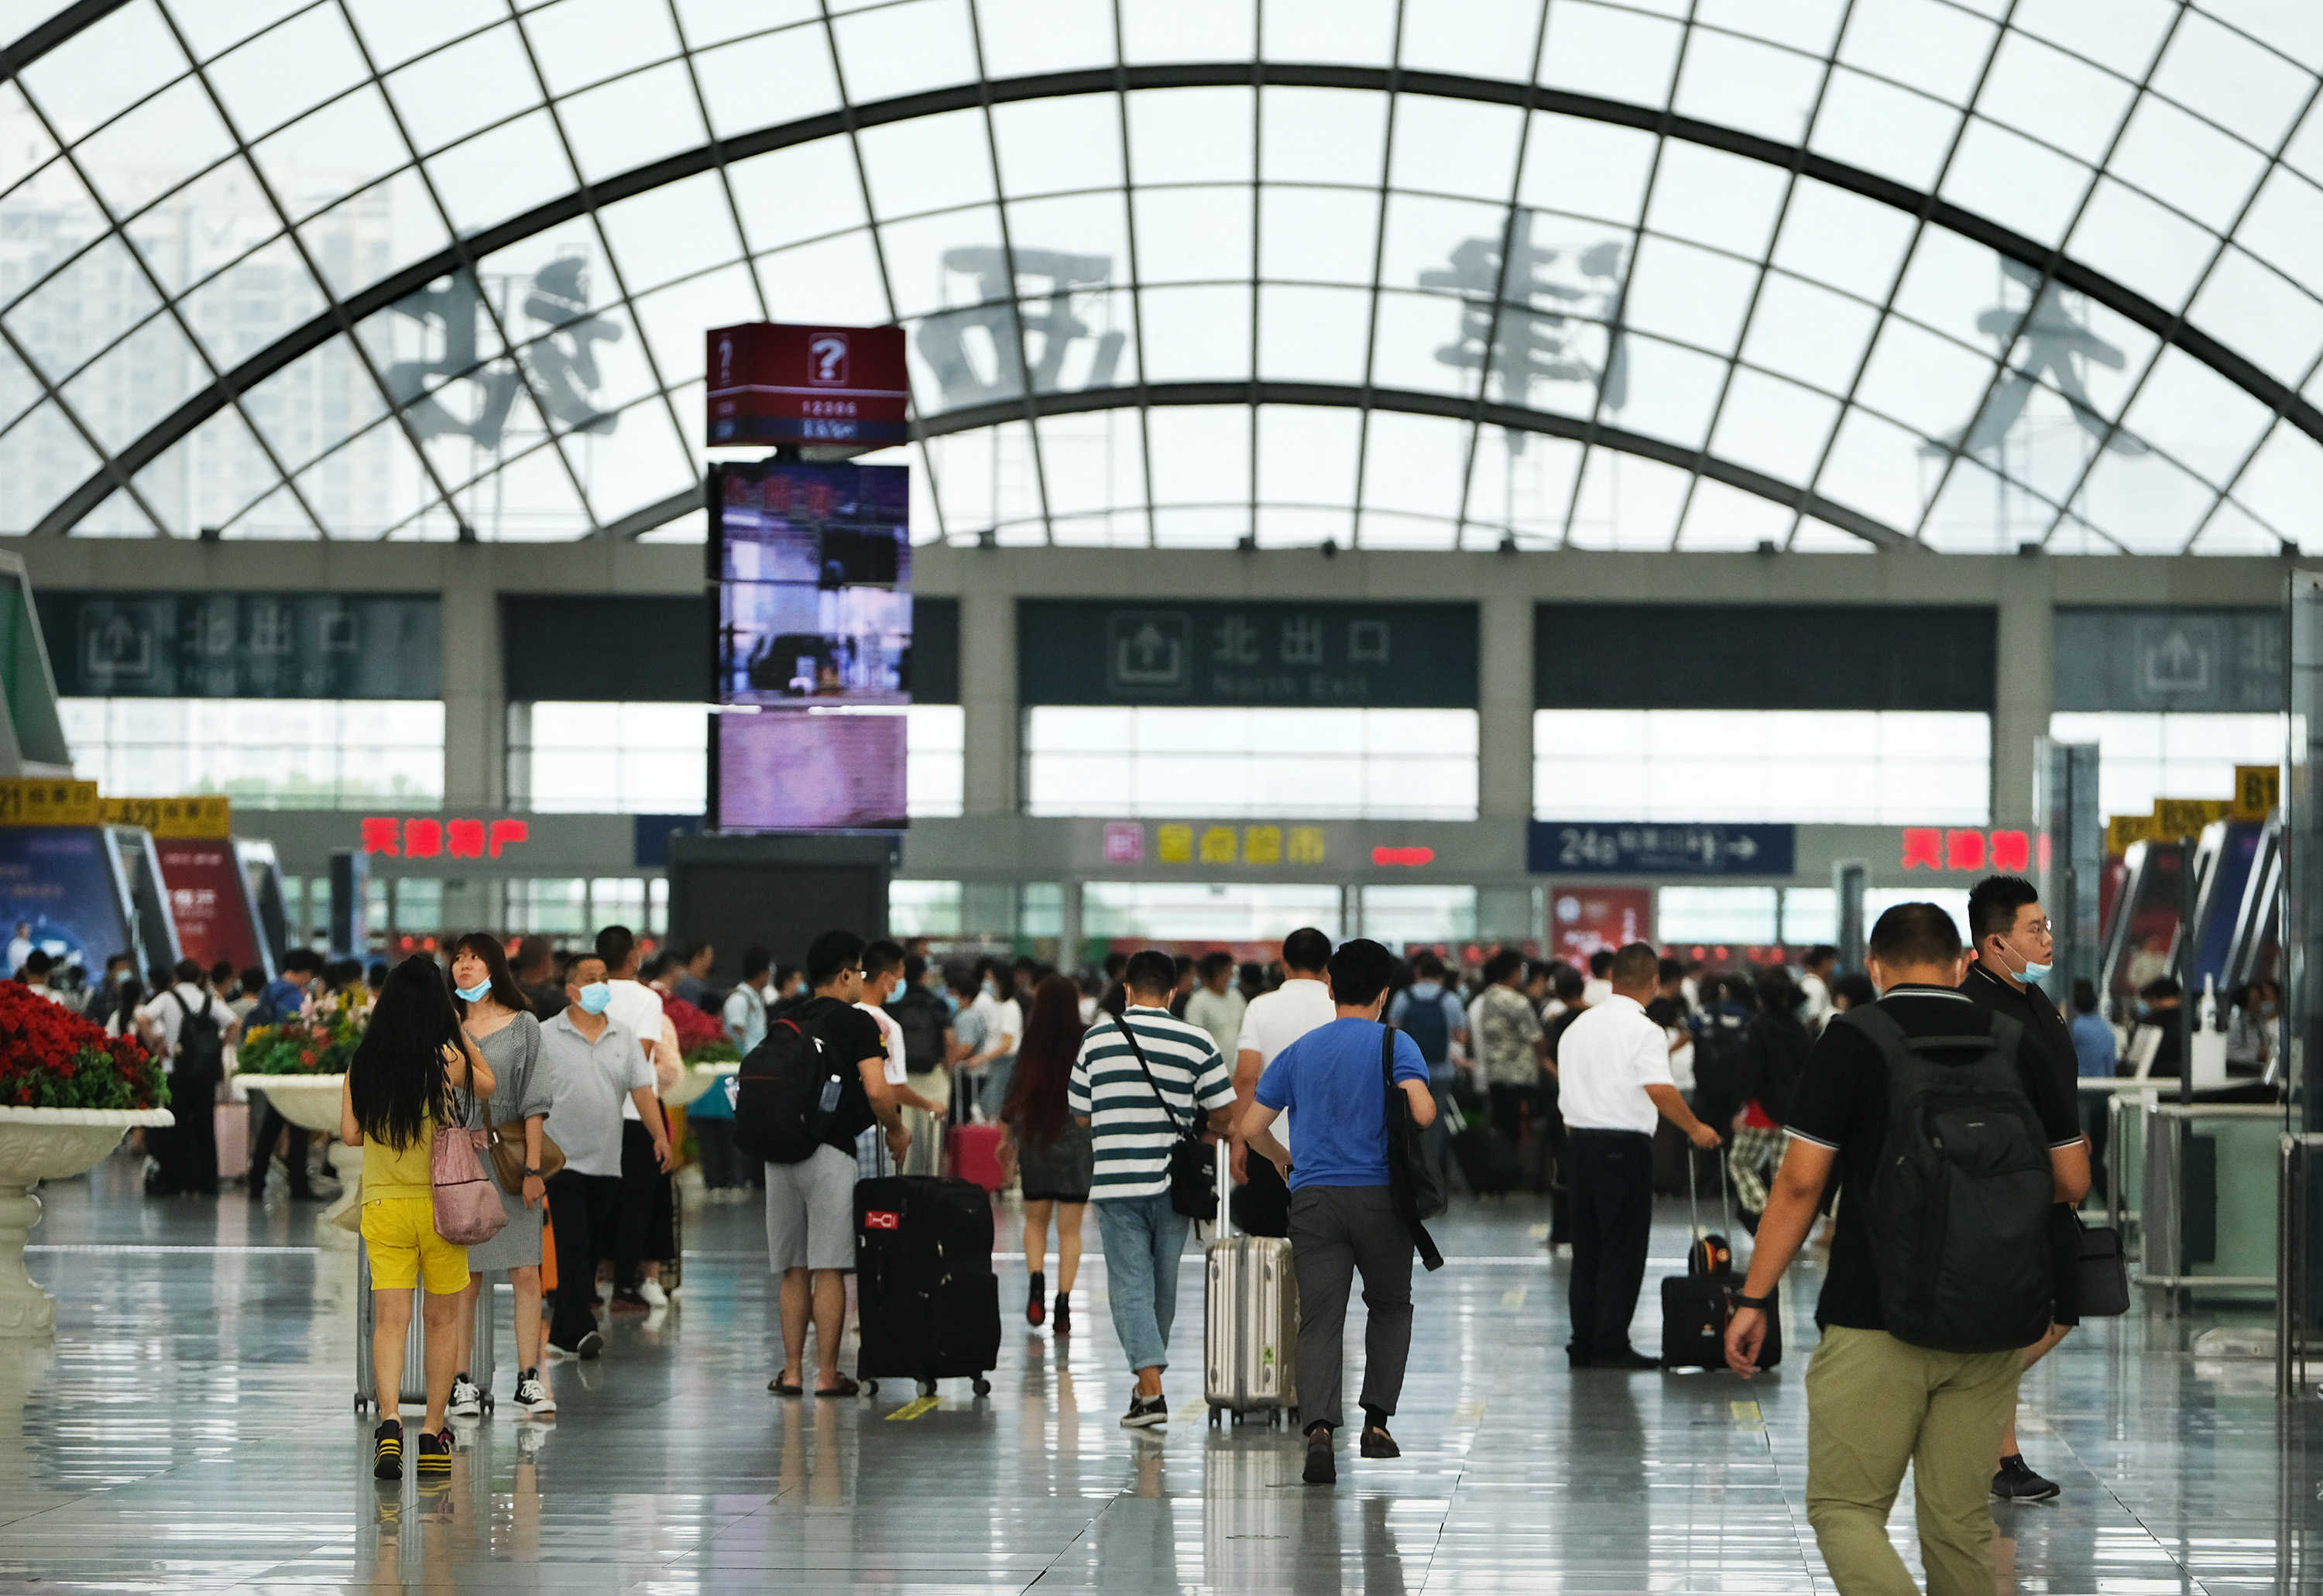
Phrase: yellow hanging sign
[47,800]
[2258,791]
[167,818]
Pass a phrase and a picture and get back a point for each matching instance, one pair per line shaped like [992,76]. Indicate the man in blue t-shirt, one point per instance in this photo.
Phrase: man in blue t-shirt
[1342,1216]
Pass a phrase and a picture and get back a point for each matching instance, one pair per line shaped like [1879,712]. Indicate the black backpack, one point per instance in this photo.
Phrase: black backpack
[1722,1065]
[785,1094]
[1959,1209]
[201,1046]
[922,1017]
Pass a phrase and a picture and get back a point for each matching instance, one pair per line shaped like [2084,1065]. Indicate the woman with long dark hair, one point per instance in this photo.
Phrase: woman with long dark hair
[401,1088]
[1777,1053]
[1048,1147]
[500,1022]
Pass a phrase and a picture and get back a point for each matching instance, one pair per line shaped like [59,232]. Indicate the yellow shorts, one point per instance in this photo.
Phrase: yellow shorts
[399,1234]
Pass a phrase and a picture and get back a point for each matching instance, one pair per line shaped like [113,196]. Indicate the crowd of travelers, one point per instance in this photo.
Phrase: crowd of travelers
[1340,1084]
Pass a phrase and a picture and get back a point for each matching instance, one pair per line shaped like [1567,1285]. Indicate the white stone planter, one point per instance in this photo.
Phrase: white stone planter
[311,1103]
[697,1079]
[39,1144]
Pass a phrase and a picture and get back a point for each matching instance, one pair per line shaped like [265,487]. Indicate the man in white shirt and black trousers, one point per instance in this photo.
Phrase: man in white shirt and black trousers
[1613,1082]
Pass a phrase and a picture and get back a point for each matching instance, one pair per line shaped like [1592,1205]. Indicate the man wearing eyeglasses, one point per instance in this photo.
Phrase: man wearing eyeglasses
[2015,947]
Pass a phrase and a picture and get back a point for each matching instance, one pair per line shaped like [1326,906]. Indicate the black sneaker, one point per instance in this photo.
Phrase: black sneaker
[1035,1310]
[1060,1323]
[434,1455]
[1145,1412]
[387,1451]
[590,1345]
[1322,1462]
[1377,1443]
[2017,1482]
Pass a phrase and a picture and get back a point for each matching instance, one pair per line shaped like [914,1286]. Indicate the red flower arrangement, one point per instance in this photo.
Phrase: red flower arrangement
[695,1028]
[52,1057]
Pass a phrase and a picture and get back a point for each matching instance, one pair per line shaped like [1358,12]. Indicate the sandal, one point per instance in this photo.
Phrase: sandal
[777,1386]
[845,1388]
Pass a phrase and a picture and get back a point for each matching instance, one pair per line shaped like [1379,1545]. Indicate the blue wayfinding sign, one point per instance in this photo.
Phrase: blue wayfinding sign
[1600,848]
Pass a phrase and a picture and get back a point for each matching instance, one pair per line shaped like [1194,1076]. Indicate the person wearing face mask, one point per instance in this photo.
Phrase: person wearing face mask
[593,1065]
[2014,951]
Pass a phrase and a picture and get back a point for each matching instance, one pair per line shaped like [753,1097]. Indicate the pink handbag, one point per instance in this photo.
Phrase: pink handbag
[468,1211]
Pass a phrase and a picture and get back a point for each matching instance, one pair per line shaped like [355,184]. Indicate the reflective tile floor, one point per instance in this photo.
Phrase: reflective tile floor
[192,1430]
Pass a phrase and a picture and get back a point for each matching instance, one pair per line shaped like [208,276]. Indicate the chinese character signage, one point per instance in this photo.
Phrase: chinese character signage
[47,800]
[1027,309]
[1307,655]
[430,836]
[773,383]
[2258,791]
[244,645]
[209,901]
[1603,847]
[452,390]
[1175,842]
[812,565]
[2141,661]
[1586,919]
[1954,847]
[205,817]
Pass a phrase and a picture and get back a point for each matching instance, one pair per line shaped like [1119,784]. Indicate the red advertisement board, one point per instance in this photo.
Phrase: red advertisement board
[209,901]
[771,382]
[1584,919]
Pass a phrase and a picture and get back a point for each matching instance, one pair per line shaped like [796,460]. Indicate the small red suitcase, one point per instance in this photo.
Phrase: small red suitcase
[975,1155]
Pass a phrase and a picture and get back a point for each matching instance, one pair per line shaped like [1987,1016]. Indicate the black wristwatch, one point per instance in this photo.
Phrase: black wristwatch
[530,1173]
[1761,1303]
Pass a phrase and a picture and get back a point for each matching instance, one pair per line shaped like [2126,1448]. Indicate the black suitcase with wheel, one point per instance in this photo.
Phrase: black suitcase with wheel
[927,1299]
[1698,1305]
[1489,1165]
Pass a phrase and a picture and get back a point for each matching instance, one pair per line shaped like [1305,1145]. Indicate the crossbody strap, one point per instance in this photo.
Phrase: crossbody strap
[1122,1024]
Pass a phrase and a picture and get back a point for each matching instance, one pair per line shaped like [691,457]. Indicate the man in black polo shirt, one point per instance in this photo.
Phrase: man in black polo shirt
[2014,948]
[1878,1404]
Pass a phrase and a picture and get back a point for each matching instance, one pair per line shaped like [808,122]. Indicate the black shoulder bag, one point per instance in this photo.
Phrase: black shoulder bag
[1193,1182]
[1413,1181]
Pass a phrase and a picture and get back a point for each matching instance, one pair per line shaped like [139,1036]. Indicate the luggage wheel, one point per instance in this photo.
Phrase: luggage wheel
[870,1388]
[980,1386]
[927,1388]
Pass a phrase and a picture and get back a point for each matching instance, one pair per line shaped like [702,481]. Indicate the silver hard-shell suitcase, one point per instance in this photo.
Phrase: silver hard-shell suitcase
[415,1343]
[1250,1320]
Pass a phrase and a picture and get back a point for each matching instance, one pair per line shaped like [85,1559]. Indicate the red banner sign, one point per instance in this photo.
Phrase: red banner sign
[208,902]
[1584,919]
[771,382]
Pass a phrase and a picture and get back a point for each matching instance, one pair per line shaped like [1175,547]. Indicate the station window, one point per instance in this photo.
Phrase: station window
[265,753]
[1812,767]
[925,909]
[2141,757]
[1729,914]
[1233,762]
[1397,915]
[1204,911]
[653,758]
[554,906]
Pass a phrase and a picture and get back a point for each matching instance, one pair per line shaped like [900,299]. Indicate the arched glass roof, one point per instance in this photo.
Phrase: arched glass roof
[1692,274]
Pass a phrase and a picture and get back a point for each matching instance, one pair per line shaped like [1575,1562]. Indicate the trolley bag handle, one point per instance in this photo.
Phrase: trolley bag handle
[1694,1202]
[1224,1228]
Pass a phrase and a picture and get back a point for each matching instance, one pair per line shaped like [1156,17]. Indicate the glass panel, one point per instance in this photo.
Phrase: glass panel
[929,163]
[734,80]
[83,306]
[1486,39]
[445,97]
[2258,311]
[347,145]
[2141,757]
[667,232]
[358,239]
[2136,242]
[222,24]
[2285,228]
[2122,37]
[937,739]
[1757,87]
[206,477]
[1044,36]
[1308,456]
[1809,767]
[1312,334]
[1201,453]
[1359,30]
[398,30]
[1773,425]
[1449,146]
[1588,168]
[1190,135]
[250,304]
[583,41]
[2017,183]
[1598,51]
[923,908]
[1195,333]
[1188,29]
[500,173]
[2283,484]
[138,382]
[1523,481]
[2186,162]
[1414,463]
[41,459]
[1883,128]
[1927,382]
[265,753]
[1669,390]
[287,71]
[633,122]
[900,49]
[153,147]
[1135,913]
[1876,467]
[361,490]
[111,64]
[2234,80]
[1396,916]
[1049,146]
[789,194]
[1809,332]
[1936,48]
[1728,518]
[1832,236]
[1684,915]
[628,759]
[2204,422]
[1194,235]
[2053,96]
[1626,502]
[1692,295]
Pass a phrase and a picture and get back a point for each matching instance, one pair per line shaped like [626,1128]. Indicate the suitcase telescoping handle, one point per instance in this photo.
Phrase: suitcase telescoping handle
[1225,1189]
[1692,1202]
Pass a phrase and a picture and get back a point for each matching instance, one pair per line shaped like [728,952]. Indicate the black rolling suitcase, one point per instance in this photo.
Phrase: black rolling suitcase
[1489,1164]
[927,1299]
[1698,1305]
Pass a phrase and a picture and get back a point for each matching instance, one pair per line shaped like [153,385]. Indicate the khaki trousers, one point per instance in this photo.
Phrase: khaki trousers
[1876,1405]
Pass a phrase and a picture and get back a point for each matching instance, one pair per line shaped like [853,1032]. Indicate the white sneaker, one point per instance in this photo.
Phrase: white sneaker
[467,1401]
[654,1294]
[533,1397]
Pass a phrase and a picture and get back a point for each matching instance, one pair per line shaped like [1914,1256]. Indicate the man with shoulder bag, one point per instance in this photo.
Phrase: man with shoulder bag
[1952,1139]
[1345,1217]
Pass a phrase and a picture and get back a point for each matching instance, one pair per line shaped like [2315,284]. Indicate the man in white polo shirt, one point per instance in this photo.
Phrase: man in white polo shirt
[1613,1082]
[1273,1021]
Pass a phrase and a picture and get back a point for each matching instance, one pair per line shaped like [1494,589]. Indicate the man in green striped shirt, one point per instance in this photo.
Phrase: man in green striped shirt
[1138,1089]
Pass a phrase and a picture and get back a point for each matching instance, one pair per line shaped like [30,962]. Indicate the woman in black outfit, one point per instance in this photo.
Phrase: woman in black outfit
[1040,1140]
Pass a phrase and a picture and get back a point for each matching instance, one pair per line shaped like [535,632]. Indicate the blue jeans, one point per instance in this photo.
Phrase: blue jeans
[992,1091]
[1143,1237]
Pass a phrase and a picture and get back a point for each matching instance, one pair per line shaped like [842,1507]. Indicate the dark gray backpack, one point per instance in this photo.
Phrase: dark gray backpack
[1959,1211]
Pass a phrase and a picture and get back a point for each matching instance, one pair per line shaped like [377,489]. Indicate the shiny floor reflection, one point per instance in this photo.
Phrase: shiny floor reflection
[192,1430]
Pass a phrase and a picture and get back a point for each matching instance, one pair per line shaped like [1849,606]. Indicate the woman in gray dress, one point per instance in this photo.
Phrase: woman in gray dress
[1052,1150]
[497,1019]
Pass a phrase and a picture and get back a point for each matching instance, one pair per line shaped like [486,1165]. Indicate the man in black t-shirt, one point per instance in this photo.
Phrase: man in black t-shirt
[811,1204]
[1878,1404]
[2013,950]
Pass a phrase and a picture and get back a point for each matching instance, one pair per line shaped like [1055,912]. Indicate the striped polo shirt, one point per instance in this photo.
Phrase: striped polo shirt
[1132,1130]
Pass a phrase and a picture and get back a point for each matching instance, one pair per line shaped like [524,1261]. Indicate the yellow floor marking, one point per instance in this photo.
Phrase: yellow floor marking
[914,1409]
[1469,1412]
[1746,1415]
[1188,1411]
[1513,1297]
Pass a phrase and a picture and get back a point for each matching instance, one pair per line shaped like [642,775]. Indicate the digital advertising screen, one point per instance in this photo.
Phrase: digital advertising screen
[812,652]
[59,892]
[209,899]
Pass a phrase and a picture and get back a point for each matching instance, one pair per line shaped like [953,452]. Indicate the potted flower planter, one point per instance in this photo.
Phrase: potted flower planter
[39,1144]
[311,1103]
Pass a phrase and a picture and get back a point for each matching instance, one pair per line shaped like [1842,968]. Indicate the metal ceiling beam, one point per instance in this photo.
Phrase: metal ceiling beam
[36,41]
[2078,276]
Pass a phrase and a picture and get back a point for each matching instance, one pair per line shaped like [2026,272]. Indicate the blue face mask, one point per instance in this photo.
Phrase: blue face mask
[595,998]
[477,993]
